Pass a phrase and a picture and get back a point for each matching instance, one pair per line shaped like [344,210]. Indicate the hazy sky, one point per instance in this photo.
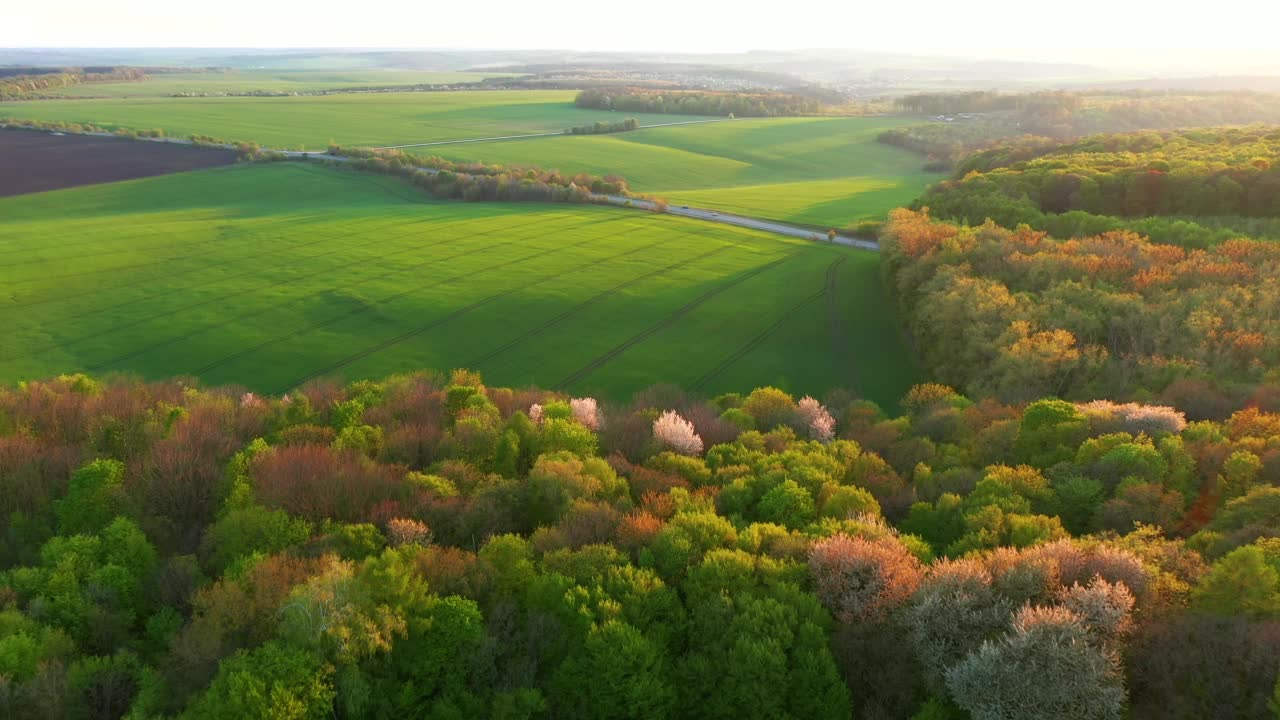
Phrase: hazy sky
[1150,33]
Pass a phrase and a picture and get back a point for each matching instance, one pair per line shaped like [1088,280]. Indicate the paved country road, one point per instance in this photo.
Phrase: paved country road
[773,226]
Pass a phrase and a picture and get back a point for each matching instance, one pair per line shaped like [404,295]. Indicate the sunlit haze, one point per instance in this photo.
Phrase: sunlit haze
[1225,36]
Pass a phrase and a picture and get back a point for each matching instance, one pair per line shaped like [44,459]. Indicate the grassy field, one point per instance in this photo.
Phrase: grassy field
[235,81]
[824,171]
[312,121]
[821,171]
[268,275]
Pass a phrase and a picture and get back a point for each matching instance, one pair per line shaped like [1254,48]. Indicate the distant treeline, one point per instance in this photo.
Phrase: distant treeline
[476,182]
[603,128]
[1065,116]
[694,102]
[1193,187]
[33,84]
[958,102]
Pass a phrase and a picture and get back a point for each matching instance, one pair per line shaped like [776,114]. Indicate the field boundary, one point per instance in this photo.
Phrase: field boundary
[604,358]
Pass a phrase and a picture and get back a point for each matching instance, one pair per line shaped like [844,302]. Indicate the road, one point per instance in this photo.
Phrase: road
[538,135]
[773,226]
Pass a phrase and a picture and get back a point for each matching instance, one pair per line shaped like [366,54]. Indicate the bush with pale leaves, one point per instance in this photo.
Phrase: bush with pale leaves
[535,413]
[407,531]
[821,426]
[675,432]
[586,411]
[1134,418]
[1104,607]
[1045,667]
[863,580]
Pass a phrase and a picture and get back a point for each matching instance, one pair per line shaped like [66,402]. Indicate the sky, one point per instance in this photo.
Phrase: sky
[1222,35]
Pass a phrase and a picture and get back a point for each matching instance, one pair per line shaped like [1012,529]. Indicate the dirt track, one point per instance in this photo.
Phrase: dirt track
[38,161]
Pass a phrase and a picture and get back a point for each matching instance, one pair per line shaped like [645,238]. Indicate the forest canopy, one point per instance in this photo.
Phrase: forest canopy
[1018,314]
[1188,187]
[427,545]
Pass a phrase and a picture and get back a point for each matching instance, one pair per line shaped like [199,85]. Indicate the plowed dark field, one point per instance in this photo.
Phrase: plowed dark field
[37,161]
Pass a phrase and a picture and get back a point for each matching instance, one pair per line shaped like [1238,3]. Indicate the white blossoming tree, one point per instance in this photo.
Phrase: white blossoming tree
[586,411]
[677,433]
[822,426]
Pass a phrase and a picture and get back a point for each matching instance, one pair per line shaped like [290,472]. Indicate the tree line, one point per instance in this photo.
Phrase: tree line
[1217,178]
[482,182]
[428,545]
[697,102]
[35,84]
[603,128]
[1064,116]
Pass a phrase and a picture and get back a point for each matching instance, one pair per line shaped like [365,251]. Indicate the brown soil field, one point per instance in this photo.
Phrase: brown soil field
[38,161]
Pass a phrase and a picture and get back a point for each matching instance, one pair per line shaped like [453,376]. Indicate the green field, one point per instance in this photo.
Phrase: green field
[822,171]
[237,81]
[354,119]
[268,275]
[819,171]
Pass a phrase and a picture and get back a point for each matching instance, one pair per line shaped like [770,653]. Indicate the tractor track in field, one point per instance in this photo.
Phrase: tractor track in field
[202,303]
[188,288]
[43,261]
[453,316]
[147,278]
[836,328]
[164,261]
[827,290]
[139,281]
[82,243]
[356,311]
[206,328]
[548,324]
[753,343]
[201,269]
[604,358]
[27,251]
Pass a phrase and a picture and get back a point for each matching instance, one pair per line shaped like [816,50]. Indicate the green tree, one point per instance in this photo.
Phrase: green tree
[618,673]
[787,504]
[1245,582]
[95,495]
[248,530]
[273,682]
[1049,433]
